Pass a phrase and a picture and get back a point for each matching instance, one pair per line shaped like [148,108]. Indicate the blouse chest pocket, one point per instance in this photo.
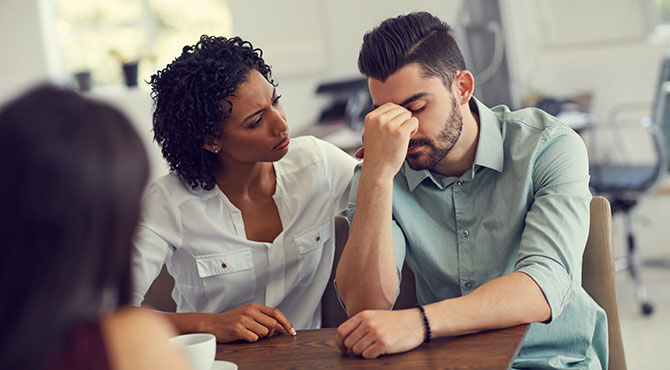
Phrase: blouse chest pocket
[310,249]
[229,278]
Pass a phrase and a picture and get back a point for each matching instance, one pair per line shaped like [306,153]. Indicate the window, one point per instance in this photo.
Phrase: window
[662,11]
[100,35]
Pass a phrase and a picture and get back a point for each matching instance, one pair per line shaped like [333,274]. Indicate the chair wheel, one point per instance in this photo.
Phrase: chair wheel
[647,309]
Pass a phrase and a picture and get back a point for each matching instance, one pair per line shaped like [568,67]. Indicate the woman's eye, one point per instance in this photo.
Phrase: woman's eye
[256,123]
[275,101]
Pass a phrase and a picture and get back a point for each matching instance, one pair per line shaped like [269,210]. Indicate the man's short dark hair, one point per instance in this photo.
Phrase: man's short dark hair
[413,38]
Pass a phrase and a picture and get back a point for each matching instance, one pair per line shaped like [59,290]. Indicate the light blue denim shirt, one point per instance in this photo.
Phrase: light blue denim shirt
[523,206]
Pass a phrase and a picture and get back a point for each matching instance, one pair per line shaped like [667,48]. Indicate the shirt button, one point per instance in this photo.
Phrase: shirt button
[223,264]
[468,285]
[465,233]
[459,183]
[318,237]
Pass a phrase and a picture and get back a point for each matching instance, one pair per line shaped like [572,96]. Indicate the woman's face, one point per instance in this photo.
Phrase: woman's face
[256,130]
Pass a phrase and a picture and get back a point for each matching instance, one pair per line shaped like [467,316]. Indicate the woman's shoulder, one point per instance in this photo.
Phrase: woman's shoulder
[305,144]
[138,338]
[171,188]
[306,150]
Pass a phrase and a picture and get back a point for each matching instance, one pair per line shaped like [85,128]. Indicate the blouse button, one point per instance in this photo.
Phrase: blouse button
[223,264]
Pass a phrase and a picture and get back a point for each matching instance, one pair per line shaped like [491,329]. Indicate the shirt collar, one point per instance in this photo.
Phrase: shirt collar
[489,149]
[490,152]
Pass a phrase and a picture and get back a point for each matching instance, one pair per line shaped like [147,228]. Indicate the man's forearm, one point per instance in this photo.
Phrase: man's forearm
[509,300]
[366,273]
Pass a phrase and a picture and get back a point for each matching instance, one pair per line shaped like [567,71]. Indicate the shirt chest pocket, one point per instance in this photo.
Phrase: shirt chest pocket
[229,278]
[310,249]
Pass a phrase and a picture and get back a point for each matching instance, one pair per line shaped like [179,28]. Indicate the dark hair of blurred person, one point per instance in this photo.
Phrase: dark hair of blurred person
[73,173]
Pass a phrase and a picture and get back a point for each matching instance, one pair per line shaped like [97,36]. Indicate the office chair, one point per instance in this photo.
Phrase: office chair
[623,184]
[599,276]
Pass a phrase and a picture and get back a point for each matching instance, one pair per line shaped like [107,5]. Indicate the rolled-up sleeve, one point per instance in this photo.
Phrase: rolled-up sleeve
[557,223]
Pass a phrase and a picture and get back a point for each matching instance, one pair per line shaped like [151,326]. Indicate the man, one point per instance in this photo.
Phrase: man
[490,209]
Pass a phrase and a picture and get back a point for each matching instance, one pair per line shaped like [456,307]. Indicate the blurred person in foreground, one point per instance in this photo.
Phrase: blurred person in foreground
[73,173]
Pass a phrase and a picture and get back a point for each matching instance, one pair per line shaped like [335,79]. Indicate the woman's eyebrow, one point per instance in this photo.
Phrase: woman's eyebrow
[253,114]
[274,93]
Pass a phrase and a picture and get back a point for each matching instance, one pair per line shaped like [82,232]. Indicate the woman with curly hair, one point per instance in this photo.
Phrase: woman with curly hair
[244,221]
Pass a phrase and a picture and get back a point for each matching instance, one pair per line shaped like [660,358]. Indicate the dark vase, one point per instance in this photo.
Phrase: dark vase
[130,74]
[83,80]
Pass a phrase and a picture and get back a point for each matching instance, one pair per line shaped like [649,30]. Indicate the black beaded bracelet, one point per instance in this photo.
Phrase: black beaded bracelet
[425,321]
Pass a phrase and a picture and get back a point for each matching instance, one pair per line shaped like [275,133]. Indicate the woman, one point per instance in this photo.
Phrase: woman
[244,222]
[73,173]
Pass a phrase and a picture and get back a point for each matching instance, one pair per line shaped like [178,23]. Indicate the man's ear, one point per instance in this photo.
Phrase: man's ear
[464,86]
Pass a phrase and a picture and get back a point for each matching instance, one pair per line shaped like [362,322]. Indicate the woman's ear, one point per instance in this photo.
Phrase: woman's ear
[211,146]
[464,86]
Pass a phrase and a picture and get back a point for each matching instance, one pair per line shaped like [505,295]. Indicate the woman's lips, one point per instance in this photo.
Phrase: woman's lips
[282,144]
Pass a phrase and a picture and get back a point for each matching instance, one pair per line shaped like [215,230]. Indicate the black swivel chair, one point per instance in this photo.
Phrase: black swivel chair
[624,183]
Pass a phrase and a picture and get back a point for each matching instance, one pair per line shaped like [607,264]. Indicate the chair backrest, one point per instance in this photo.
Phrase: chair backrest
[159,295]
[332,312]
[660,113]
[598,275]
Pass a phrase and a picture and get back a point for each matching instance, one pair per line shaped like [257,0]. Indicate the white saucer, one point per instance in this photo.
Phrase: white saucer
[224,365]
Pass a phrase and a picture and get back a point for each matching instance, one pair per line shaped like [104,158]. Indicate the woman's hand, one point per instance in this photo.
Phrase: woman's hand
[249,322]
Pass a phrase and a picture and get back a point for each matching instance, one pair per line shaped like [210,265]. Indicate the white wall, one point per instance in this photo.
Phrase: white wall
[312,41]
[572,46]
[556,47]
[23,60]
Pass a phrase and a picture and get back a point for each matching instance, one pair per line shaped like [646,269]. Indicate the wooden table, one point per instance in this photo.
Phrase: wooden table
[494,349]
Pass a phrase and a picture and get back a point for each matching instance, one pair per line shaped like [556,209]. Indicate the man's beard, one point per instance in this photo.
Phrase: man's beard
[435,152]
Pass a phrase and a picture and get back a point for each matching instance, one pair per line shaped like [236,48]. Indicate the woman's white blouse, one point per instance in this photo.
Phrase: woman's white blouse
[200,237]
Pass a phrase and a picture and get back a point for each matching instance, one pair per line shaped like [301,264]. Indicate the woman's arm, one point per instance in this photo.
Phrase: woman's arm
[138,339]
[249,322]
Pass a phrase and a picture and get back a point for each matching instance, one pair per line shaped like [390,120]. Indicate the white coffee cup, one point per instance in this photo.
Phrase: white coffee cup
[200,349]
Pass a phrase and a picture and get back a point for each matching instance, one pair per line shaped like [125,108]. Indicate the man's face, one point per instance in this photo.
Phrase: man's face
[432,103]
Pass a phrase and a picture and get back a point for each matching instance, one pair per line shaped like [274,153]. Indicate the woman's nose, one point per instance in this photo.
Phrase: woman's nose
[280,126]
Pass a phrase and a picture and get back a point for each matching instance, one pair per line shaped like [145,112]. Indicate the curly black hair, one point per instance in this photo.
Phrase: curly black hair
[191,102]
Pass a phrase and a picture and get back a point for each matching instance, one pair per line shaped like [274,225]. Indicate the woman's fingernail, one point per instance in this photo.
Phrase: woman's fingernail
[293,332]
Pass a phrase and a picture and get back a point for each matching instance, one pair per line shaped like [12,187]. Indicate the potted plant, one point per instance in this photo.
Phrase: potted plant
[128,67]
